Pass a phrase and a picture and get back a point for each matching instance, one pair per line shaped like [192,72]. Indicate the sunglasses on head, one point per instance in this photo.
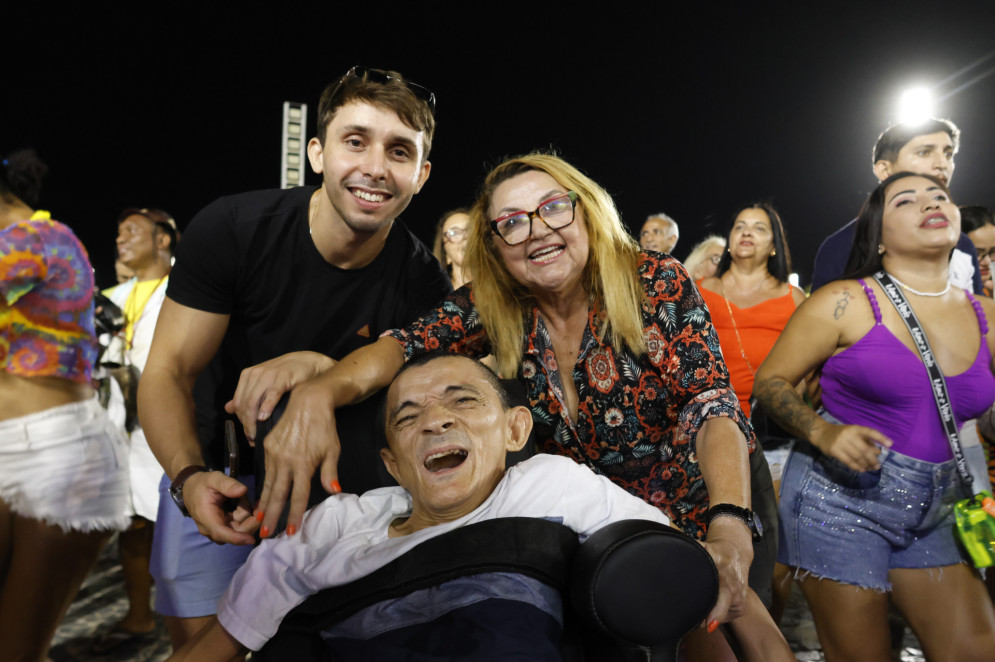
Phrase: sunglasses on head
[383,78]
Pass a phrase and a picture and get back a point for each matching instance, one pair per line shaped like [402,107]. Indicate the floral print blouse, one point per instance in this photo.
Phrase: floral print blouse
[638,415]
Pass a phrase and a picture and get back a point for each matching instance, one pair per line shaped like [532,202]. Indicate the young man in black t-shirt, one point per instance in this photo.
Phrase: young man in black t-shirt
[269,288]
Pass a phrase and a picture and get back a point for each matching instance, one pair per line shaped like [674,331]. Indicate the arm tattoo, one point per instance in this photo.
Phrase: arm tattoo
[841,305]
[782,402]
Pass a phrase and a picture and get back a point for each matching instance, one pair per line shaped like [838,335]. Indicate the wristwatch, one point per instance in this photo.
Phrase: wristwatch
[176,487]
[745,515]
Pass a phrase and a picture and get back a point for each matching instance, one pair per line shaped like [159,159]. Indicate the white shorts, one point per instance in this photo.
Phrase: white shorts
[67,466]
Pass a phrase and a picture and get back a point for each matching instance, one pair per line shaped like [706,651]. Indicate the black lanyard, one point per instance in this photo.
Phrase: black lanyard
[939,384]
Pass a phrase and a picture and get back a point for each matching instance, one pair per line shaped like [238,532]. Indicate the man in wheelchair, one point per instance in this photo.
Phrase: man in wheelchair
[449,427]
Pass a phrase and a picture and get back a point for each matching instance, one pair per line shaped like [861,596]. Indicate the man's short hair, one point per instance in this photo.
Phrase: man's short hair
[394,94]
[895,137]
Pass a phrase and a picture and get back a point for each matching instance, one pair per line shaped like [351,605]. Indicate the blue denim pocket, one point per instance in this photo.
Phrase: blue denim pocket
[837,472]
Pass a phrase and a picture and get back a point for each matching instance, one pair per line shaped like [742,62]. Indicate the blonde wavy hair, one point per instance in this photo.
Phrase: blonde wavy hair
[610,275]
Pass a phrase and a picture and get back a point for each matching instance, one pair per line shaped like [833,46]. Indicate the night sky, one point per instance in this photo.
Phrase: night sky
[691,111]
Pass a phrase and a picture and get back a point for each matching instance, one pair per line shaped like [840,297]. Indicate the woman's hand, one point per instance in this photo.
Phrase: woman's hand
[730,545]
[725,467]
[854,445]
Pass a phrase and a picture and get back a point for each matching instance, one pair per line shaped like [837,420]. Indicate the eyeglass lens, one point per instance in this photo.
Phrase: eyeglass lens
[557,212]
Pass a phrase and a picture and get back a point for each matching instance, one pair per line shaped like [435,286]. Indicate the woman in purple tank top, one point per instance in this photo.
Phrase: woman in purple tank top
[866,502]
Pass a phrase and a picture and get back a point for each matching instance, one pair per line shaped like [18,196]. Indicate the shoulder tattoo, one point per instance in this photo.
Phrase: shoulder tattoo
[841,304]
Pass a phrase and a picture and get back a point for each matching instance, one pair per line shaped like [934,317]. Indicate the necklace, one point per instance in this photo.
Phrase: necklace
[748,295]
[312,212]
[922,294]
[732,318]
[742,350]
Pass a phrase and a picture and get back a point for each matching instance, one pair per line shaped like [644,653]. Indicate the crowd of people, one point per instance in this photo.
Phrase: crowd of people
[692,394]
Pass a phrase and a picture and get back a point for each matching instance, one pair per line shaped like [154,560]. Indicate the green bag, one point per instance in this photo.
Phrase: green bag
[976,527]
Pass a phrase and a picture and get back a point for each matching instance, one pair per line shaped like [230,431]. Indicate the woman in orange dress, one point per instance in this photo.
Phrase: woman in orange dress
[750,298]
[750,301]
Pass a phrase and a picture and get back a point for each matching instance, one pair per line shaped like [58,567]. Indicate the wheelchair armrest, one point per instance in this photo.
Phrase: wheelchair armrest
[643,582]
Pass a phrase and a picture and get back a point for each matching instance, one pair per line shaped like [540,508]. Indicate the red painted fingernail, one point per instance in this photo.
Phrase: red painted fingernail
[291,529]
[260,515]
[336,488]
[264,532]
[712,625]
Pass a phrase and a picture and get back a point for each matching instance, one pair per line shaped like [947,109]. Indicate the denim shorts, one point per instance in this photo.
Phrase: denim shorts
[853,527]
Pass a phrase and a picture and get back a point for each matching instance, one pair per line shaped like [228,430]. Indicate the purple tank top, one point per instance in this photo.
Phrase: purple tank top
[880,383]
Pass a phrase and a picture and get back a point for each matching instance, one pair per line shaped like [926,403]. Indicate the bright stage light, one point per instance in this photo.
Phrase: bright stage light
[916,105]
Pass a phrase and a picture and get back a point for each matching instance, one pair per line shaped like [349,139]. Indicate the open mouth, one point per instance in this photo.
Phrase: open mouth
[545,254]
[445,460]
[935,220]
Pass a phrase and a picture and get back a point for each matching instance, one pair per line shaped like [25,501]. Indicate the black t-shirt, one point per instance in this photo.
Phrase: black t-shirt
[251,256]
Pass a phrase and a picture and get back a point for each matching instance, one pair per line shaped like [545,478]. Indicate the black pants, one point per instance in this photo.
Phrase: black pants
[765,505]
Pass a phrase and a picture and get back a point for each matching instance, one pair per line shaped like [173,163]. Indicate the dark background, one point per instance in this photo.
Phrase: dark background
[689,109]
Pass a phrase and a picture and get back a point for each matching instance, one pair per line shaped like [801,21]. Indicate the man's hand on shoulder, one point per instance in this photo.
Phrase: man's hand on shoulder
[261,386]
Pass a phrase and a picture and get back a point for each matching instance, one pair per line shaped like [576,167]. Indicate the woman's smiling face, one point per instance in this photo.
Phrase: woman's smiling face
[549,261]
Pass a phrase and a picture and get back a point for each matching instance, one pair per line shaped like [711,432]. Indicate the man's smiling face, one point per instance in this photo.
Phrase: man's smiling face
[371,164]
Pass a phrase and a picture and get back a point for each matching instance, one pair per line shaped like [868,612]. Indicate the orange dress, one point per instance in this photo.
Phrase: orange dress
[759,326]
